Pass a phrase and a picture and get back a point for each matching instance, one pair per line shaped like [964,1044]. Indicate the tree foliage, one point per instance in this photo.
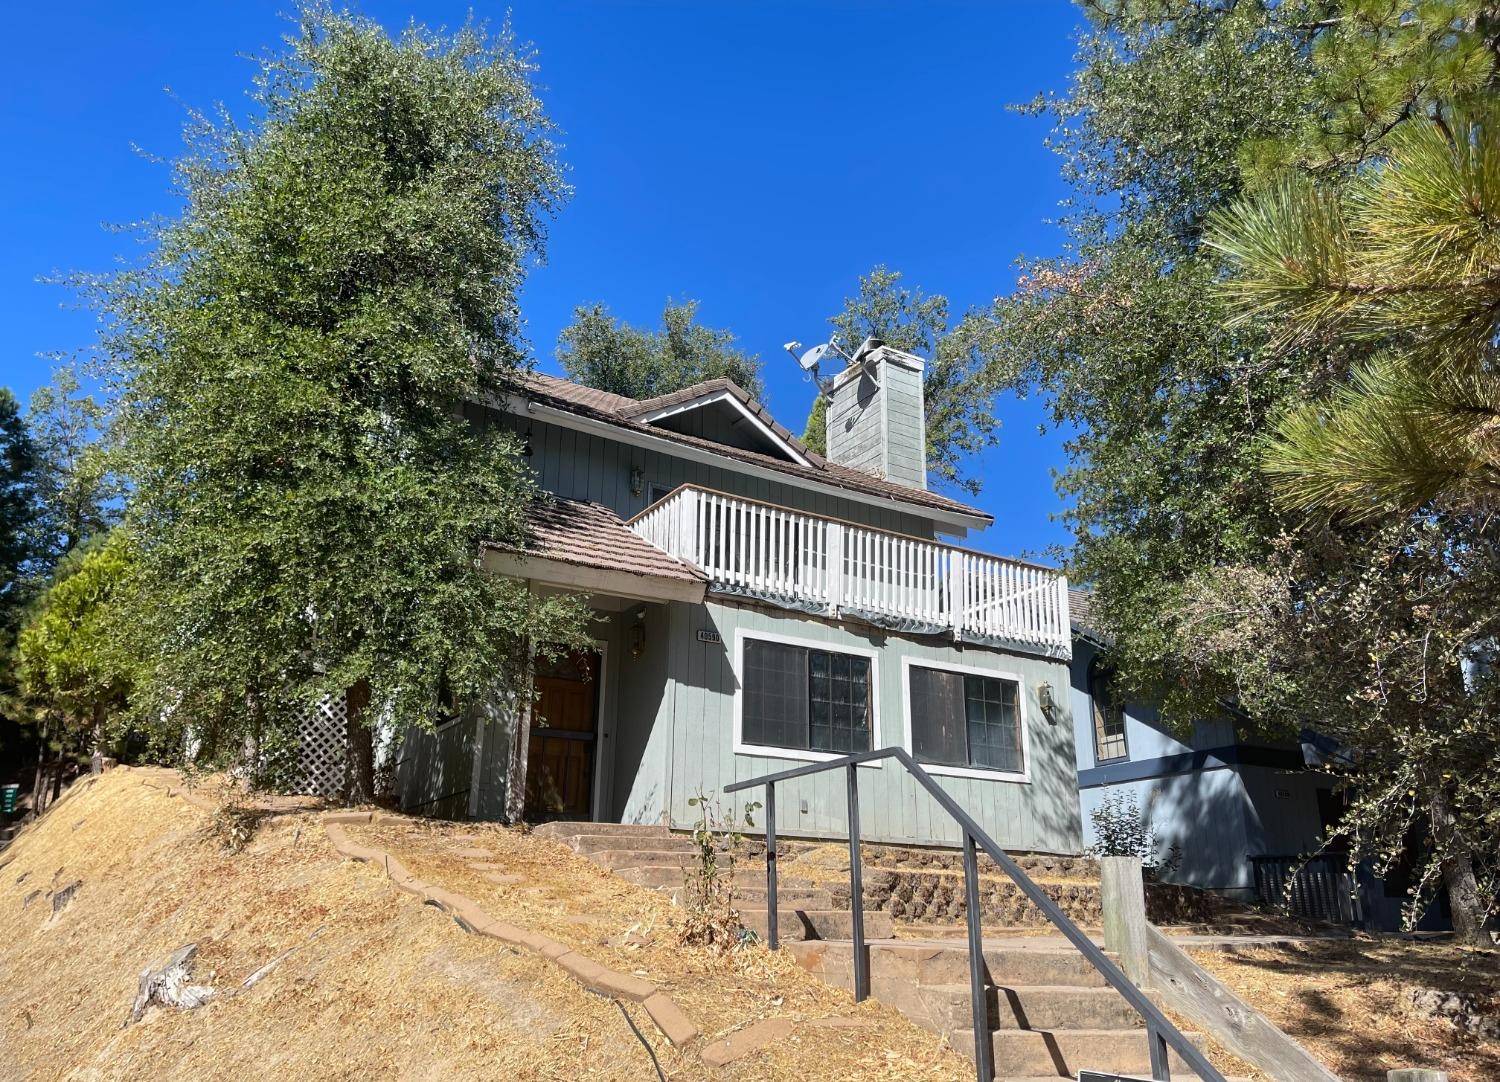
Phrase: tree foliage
[308,503]
[608,354]
[1220,601]
[18,480]
[78,497]
[73,658]
[957,390]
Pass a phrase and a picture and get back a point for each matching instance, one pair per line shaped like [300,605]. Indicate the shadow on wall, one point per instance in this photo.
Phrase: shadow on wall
[639,741]
[435,770]
[1198,818]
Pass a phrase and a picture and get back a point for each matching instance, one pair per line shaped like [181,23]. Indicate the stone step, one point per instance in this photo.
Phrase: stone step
[946,1007]
[1062,1053]
[794,925]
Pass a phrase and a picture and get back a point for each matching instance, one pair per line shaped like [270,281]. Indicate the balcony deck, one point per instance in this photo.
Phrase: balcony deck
[820,565]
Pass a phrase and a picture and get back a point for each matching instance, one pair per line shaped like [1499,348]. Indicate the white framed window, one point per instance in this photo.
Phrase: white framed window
[804,699]
[966,722]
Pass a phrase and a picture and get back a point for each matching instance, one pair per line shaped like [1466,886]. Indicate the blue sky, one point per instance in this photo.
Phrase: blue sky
[755,156]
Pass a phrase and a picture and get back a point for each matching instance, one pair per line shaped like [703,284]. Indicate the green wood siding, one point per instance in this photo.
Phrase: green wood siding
[698,709]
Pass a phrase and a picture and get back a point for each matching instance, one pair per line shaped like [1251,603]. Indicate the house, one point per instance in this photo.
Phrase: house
[1237,812]
[756,606]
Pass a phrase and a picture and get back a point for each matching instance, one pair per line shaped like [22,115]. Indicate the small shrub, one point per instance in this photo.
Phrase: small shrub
[233,823]
[712,920]
[1121,831]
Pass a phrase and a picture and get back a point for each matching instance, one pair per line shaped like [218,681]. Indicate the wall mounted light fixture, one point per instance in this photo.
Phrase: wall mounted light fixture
[638,634]
[637,480]
[1046,701]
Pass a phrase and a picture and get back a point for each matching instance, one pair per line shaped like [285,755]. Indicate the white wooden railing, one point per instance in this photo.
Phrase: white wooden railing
[812,563]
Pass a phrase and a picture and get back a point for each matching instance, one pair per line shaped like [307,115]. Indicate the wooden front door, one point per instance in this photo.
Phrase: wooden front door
[564,734]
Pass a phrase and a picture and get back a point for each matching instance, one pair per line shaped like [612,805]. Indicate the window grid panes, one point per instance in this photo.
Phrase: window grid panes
[966,720]
[805,700]
[994,726]
[1109,719]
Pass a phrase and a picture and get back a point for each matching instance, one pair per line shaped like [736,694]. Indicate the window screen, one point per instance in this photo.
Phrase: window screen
[959,719]
[810,700]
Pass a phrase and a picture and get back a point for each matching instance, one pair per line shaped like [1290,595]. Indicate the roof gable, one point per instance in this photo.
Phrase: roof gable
[721,411]
[593,407]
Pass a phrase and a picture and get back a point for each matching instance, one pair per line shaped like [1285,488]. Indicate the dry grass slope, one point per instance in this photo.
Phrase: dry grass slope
[1349,1002]
[387,987]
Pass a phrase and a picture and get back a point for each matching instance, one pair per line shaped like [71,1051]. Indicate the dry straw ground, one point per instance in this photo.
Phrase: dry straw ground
[1349,1002]
[387,987]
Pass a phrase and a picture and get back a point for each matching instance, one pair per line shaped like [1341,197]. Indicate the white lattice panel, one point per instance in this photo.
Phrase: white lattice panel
[323,758]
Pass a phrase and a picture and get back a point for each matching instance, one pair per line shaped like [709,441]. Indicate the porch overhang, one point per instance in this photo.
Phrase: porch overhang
[583,547]
[583,579]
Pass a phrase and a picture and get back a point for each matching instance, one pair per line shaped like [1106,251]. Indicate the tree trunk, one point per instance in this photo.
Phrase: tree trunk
[96,760]
[1468,907]
[360,776]
[520,745]
[38,784]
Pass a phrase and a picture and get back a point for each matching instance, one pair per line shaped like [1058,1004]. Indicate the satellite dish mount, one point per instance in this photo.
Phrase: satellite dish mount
[808,360]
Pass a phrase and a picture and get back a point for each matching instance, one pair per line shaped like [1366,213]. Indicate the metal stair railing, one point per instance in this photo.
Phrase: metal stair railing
[1161,1034]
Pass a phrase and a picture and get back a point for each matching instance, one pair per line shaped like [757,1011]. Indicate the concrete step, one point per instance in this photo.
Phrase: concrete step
[786,896]
[1062,1053]
[946,1007]
[794,925]
[1008,965]
[639,858]
[661,842]
[670,875]
[571,828]
[755,897]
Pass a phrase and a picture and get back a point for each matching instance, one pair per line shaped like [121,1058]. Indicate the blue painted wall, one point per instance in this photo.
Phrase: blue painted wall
[1215,797]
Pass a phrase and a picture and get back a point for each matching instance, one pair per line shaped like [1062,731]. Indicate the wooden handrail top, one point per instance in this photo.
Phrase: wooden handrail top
[840,521]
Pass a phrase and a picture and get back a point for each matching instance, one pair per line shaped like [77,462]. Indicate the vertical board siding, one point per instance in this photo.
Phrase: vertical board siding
[1039,815]
[583,466]
[435,770]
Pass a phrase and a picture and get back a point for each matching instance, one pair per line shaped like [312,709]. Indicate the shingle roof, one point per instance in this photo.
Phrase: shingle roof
[591,535]
[618,410]
[713,386]
[1081,615]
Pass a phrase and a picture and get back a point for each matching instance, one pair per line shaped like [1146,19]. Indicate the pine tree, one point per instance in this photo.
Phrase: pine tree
[1404,257]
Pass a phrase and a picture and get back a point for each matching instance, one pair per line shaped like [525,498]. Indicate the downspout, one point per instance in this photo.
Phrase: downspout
[672,607]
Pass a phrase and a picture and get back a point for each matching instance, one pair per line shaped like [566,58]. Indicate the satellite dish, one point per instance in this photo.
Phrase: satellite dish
[810,359]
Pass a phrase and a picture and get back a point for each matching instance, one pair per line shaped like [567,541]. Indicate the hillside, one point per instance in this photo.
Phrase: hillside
[377,984]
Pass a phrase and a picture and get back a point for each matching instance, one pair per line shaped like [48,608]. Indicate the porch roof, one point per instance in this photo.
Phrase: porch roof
[585,546]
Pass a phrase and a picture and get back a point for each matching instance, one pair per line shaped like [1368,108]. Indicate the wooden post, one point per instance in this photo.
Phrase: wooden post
[835,558]
[1416,1074]
[1123,893]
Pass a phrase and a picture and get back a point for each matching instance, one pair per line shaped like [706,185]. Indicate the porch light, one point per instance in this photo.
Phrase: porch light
[637,480]
[1044,698]
[638,634]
